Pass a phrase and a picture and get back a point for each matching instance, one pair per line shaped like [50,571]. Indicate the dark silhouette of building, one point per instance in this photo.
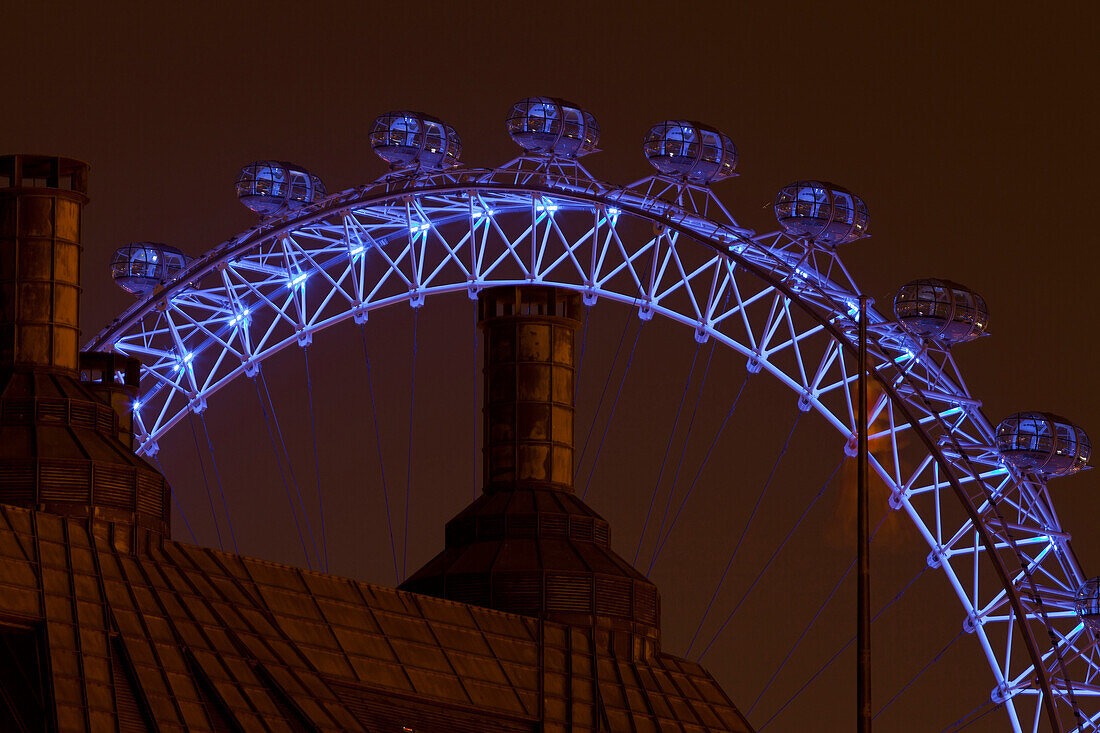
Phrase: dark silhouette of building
[527,621]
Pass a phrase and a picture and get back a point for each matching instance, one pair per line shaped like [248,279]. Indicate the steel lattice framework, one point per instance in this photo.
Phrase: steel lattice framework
[670,249]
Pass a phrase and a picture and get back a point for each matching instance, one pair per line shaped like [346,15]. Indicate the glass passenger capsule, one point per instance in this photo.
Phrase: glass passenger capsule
[941,309]
[1043,443]
[553,127]
[1087,604]
[415,140]
[141,267]
[271,187]
[822,212]
[690,150]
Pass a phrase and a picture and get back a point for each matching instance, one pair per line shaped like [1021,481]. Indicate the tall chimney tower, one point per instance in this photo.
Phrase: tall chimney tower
[41,199]
[63,446]
[528,544]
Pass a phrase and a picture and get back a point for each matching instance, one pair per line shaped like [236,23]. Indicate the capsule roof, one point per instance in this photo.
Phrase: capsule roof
[934,308]
[1043,443]
[271,187]
[822,212]
[554,127]
[141,267]
[407,139]
[689,150]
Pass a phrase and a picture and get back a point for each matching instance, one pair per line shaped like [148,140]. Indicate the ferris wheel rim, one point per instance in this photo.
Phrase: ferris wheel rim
[605,196]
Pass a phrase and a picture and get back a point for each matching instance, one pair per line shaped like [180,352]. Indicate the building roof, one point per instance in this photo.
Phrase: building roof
[201,640]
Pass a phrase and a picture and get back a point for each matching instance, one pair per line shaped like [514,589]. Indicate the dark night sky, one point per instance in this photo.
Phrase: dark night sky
[969,129]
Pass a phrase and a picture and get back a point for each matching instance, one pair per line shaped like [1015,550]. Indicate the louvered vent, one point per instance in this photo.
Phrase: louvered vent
[18,481]
[83,414]
[602,533]
[572,593]
[553,525]
[106,420]
[472,589]
[582,528]
[646,604]
[517,593]
[65,481]
[150,493]
[131,715]
[114,485]
[18,411]
[53,411]
[613,596]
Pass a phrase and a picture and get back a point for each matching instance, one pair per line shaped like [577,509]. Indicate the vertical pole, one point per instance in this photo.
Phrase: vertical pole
[863,603]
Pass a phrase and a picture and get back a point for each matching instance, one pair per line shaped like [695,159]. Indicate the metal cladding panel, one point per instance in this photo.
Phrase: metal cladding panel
[60,448]
[529,373]
[39,276]
[185,638]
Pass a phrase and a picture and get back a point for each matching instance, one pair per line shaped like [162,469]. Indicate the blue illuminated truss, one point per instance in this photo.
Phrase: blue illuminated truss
[784,303]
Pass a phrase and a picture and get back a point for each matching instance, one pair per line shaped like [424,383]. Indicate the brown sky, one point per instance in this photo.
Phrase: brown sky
[969,128]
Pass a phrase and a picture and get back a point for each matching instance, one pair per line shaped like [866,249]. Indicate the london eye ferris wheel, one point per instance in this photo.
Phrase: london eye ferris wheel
[782,303]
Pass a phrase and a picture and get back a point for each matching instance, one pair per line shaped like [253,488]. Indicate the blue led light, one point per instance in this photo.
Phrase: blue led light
[906,355]
[298,279]
[136,406]
[357,251]
[186,360]
[479,213]
[419,228]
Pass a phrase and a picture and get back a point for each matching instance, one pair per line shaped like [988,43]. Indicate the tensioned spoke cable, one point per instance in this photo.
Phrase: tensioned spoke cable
[684,446]
[683,451]
[580,358]
[611,414]
[603,393]
[968,720]
[473,408]
[205,483]
[282,473]
[842,649]
[218,478]
[408,472]
[175,498]
[683,502]
[323,561]
[771,559]
[290,468]
[809,626]
[744,531]
[378,447]
[923,669]
[664,460]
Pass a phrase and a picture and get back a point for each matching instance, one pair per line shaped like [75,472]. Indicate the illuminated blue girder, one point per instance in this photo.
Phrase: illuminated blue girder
[777,299]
